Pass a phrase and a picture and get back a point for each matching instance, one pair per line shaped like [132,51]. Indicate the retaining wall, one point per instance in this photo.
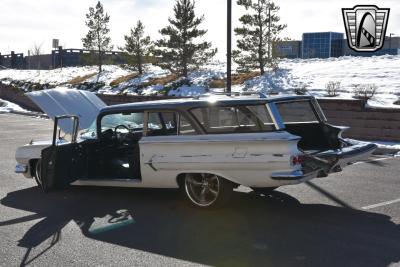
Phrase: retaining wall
[365,123]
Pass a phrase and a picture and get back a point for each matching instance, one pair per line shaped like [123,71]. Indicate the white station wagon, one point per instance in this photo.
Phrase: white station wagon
[205,146]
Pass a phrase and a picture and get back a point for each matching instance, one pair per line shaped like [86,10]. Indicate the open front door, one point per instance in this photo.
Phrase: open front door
[64,161]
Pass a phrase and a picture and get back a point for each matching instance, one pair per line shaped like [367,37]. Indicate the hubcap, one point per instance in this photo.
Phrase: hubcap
[202,189]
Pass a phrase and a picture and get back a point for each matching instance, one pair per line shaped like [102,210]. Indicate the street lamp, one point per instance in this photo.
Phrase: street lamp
[229,48]
[390,40]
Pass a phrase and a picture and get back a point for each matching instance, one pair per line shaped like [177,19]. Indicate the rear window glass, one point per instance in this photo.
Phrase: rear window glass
[234,119]
[295,112]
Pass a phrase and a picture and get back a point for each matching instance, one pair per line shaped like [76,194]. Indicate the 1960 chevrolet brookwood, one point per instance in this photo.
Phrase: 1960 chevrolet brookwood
[206,146]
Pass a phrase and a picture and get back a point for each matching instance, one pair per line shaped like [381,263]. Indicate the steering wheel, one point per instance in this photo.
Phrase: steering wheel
[128,137]
[121,126]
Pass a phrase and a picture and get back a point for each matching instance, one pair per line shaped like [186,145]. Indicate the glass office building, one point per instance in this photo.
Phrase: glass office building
[322,45]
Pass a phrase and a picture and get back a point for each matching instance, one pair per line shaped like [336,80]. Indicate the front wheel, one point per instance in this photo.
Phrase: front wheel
[38,172]
[38,175]
[205,190]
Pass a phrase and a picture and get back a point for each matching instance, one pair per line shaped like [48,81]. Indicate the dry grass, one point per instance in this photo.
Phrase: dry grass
[238,78]
[162,80]
[81,79]
[124,79]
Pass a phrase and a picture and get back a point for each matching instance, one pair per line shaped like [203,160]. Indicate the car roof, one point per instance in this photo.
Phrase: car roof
[188,103]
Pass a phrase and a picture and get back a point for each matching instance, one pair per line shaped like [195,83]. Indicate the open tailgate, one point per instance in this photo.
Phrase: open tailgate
[335,159]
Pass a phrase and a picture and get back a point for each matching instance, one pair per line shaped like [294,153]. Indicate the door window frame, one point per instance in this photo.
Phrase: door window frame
[75,127]
[178,121]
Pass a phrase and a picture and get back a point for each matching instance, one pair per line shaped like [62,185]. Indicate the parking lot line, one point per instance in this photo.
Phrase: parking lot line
[381,204]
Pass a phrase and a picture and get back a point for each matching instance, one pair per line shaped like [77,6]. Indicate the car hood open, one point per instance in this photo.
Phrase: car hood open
[64,101]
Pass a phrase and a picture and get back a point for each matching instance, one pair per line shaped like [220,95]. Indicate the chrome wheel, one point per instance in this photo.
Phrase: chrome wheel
[202,189]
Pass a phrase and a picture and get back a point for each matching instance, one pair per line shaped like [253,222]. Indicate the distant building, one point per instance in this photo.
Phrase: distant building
[322,44]
[329,44]
[391,46]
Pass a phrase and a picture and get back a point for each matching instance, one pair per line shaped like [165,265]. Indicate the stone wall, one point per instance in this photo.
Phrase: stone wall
[365,123]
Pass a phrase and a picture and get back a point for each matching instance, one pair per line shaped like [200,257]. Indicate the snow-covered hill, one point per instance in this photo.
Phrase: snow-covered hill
[383,71]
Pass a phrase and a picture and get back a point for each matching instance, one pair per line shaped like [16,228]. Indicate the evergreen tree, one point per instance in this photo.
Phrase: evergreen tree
[97,37]
[178,50]
[138,46]
[260,30]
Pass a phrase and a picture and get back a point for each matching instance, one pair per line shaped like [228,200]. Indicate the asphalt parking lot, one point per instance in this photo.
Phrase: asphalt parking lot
[347,219]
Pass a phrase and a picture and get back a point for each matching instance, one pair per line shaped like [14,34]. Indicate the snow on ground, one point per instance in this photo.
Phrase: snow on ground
[6,107]
[109,74]
[383,71]
[129,87]
[53,77]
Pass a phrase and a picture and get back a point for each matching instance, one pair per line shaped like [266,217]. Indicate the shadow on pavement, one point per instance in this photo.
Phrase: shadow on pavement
[274,230]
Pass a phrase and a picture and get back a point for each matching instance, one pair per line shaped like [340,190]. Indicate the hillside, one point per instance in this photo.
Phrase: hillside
[383,71]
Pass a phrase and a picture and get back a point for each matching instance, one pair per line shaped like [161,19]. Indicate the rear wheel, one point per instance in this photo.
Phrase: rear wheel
[205,190]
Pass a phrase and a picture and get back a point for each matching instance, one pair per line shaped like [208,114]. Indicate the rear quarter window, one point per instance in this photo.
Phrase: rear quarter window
[234,119]
[296,112]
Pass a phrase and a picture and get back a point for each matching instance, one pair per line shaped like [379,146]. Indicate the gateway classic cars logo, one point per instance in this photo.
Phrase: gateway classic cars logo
[365,27]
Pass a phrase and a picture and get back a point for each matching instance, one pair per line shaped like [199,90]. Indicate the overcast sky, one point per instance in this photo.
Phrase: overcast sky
[25,22]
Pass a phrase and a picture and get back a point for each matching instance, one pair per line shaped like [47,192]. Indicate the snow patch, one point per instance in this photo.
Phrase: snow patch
[7,107]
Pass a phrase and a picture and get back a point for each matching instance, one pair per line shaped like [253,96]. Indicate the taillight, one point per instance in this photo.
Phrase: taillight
[297,160]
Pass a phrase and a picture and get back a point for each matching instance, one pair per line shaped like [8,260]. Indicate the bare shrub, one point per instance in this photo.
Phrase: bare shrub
[301,89]
[365,91]
[332,88]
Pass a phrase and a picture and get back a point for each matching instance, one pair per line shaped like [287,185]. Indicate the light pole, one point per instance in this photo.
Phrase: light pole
[390,40]
[229,48]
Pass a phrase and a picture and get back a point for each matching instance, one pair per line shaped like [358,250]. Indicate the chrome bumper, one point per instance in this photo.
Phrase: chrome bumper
[21,168]
[295,175]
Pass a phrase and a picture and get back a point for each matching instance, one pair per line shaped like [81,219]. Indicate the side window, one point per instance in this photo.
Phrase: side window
[185,127]
[162,123]
[234,119]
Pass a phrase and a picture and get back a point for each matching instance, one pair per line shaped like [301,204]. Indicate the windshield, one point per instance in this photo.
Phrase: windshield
[89,133]
[234,119]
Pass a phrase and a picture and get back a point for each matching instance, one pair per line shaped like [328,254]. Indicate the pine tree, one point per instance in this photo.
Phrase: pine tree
[138,46]
[178,50]
[97,37]
[260,30]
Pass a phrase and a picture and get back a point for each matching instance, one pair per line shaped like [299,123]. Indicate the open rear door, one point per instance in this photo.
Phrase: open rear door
[63,162]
